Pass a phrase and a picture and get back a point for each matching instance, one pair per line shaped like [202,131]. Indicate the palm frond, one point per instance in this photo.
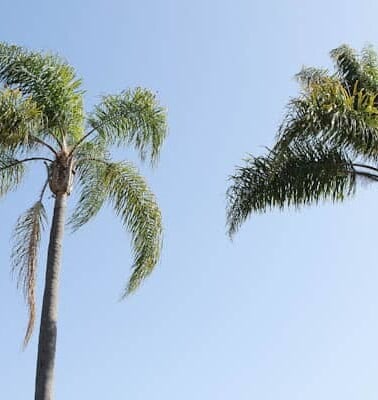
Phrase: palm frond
[302,174]
[133,117]
[50,82]
[92,193]
[369,64]
[308,76]
[349,65]
[333,115]
[136,205]
[11,172]
[26,238]
[122,185]
[20,117]
[95,149]
[91,158]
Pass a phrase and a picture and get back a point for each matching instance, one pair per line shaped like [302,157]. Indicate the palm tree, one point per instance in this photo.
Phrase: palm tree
[327,142]
[42,120]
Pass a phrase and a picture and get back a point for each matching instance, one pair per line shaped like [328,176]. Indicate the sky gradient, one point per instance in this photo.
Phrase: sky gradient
[289,309]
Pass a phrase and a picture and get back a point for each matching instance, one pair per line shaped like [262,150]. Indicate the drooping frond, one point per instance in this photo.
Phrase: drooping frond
[92,194]
[127,191]
[11,172]
[19,119]
[330,113]
[90,164]
[133,117]
[300,175]
[136,205]
[26,238]
[50,82]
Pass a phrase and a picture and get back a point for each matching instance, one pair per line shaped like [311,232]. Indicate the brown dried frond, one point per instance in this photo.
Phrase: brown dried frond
[26,238]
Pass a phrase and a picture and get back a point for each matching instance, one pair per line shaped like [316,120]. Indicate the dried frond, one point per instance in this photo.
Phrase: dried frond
[26,239]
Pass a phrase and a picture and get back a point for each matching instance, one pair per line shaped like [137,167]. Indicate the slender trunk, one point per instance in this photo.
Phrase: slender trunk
[48,328]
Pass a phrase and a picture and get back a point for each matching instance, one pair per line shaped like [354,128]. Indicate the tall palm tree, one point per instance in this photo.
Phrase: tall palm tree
[327,142]
[42,120]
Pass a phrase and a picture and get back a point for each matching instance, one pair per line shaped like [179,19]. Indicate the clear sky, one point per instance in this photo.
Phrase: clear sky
[289,309]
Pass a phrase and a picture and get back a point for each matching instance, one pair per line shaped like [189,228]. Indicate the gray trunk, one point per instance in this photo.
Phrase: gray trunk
[48,329]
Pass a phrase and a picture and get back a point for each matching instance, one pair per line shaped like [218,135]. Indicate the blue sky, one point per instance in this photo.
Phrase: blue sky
[289,309]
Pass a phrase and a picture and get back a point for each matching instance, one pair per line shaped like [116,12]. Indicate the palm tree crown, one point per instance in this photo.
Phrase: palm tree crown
[42,120]
[326,143]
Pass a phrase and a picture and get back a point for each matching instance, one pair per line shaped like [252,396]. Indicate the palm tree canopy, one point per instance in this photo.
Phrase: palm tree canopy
[42,119]
[326,143]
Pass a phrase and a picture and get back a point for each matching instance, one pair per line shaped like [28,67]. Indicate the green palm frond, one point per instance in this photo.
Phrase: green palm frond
[92,193]
[11,172]
[302,174]
[91,158]
[134,117]
[50,82]
[330,113]
[95,149]
[136,205]
[308,76]
[127,191]
[19,118]
[26,238]
[369,64]
[350,67]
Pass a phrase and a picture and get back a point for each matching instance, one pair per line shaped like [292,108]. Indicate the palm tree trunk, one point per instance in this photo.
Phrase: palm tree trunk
[48,328]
